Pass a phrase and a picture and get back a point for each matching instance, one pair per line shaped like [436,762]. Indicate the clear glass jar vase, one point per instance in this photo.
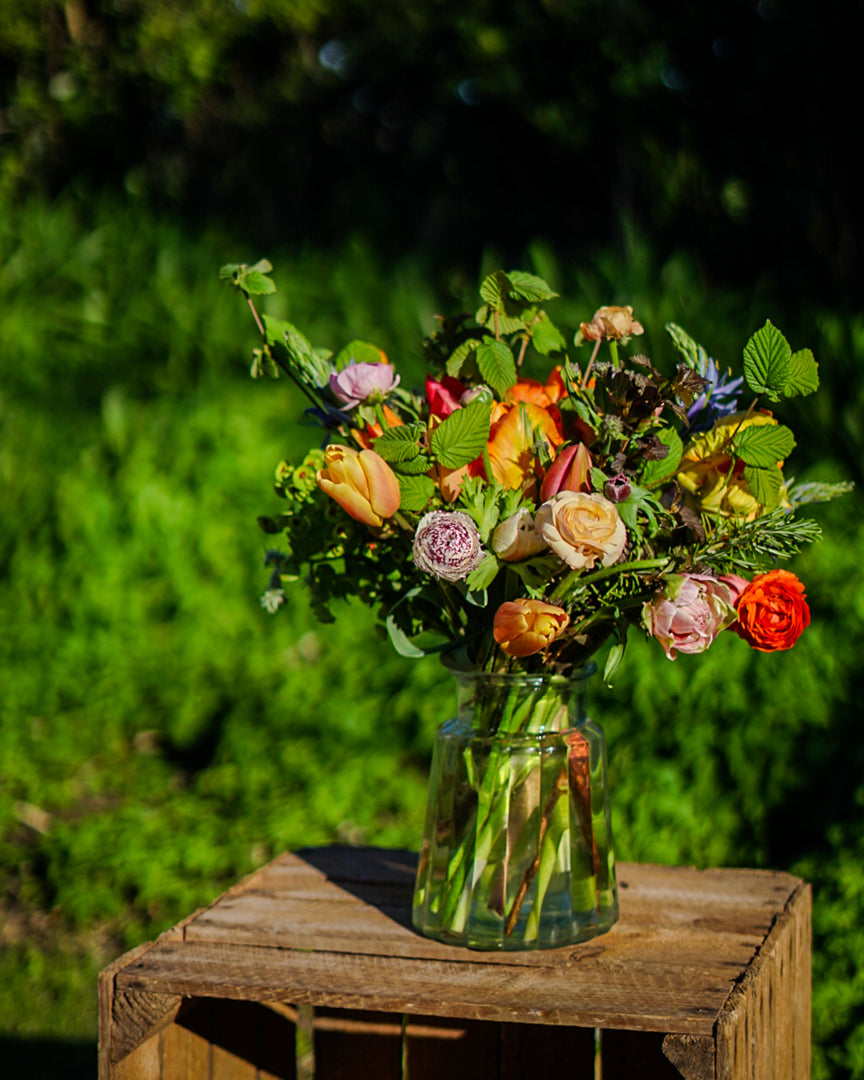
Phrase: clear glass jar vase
[517,847]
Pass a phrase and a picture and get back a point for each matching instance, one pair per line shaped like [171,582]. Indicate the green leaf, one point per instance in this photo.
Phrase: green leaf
[459,355]
[263,364]
[765,484]
[496,365]
[763,445]
[413,467]
[315,368]
[360,352]
[803,374]
[655,471]
[767,361]
[501,322]
[690,351]
[546,337]
[399,443]
[256,283]
[481,578]
[494,288]
[416,492]
[528,287]
[462,437]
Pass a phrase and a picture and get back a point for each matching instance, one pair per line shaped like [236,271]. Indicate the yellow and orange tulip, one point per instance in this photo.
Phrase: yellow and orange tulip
[524,627]
[361,482]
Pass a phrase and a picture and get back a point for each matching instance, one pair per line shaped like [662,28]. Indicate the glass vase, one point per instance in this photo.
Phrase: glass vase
[517,847]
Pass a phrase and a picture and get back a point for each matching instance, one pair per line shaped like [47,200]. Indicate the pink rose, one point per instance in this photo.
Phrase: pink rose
[689,612]
[360,382]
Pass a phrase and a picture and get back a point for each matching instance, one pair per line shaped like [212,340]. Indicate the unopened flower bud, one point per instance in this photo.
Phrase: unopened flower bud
[617,489]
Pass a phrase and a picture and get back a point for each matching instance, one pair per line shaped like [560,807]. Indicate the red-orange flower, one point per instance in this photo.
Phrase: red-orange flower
[772,611]
[523,627]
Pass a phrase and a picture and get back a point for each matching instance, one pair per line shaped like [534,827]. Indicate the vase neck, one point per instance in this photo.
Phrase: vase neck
[496,704]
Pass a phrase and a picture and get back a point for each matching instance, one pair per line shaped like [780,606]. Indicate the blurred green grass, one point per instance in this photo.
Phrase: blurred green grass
[161,734]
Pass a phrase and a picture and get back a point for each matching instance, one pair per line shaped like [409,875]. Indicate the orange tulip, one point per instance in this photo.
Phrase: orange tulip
[361,482]
[511,443]
[523,627]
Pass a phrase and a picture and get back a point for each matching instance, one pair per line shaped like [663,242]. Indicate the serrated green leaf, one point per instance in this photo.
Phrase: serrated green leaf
[483,576]
[496,365]
[803,374]
[494,288]
[263,266]
[767,360]
[655,471]
[546,337]
[399,443]
[765,484]
[415,467]
[357,352]
[416,492]
[316,369]
[229,270]
[529,287]
[500,322]
[763,445]
[462,437]
[256,283]
[459,355]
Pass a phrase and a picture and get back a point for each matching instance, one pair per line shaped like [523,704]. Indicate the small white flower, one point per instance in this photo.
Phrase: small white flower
[272,600]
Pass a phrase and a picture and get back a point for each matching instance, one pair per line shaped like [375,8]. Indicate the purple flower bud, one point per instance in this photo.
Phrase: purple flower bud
[447,545]
[617,489]
[359,382]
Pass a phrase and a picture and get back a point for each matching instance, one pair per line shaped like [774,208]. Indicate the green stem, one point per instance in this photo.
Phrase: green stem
[566,583]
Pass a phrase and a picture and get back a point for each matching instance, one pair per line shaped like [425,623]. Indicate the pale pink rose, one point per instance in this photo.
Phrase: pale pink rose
[582,529]
[689,612]
[360,382]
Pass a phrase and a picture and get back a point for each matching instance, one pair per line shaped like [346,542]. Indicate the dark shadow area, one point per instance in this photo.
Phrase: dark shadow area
[382,878]
[47,1059]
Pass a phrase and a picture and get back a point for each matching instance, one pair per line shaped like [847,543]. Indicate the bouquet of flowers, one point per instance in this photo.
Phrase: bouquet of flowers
[518,524]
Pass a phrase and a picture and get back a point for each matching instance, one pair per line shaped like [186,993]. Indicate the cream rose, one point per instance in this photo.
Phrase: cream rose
[582,528]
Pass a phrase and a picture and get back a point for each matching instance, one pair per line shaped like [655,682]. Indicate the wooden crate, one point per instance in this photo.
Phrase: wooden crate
[706,975]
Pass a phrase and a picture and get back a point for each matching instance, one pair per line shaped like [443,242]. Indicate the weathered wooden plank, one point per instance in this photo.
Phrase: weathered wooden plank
[583,996]
[693,1055]
[143,1063]
[186,1045]
[764,1030]
[357,1045]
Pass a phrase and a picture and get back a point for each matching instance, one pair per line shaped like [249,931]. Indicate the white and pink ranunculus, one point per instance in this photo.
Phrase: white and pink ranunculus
[689,612]
[363,382]
[447,545]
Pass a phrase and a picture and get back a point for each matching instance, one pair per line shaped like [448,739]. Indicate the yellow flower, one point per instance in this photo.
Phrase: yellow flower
[712,477]
[361,482]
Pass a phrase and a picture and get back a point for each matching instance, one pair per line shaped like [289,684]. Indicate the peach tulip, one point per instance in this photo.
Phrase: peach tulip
[361,482]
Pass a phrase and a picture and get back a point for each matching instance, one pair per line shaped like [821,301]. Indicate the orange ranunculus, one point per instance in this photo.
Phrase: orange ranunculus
[523,627]
[511,442]
[361,482]
[772,611]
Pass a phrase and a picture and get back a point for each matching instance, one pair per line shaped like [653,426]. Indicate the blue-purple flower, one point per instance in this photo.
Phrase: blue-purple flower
[718,399]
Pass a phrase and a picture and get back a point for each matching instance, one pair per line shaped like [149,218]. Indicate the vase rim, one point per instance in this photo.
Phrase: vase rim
[506,677]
